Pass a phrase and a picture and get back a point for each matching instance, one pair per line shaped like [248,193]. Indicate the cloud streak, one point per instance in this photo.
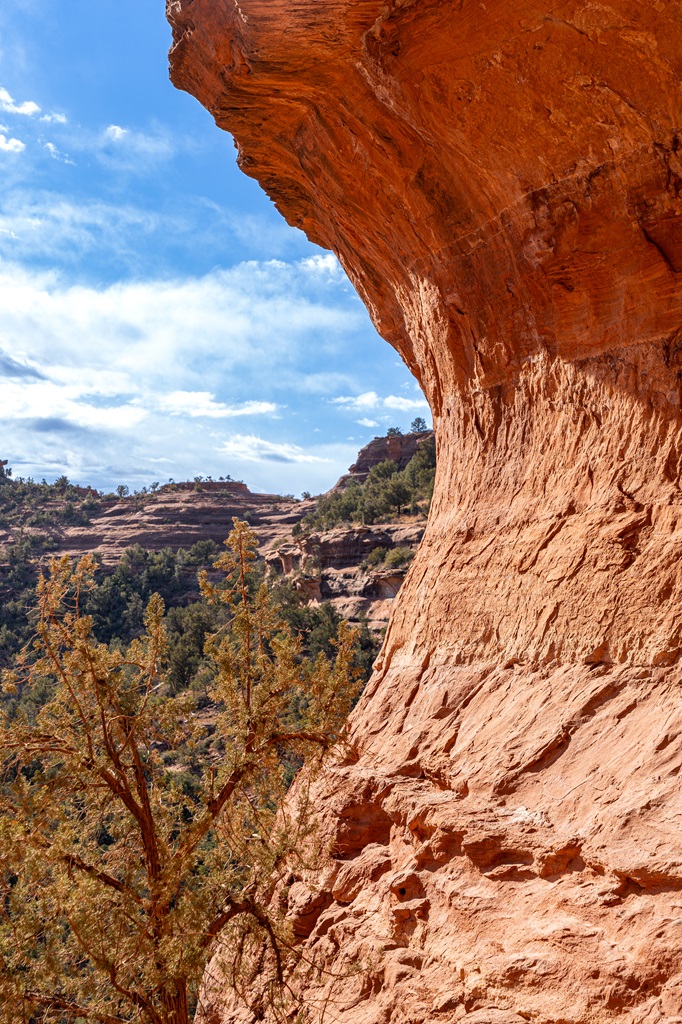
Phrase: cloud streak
[56,154]
[370,400]
[250,448]
[50,226]
[10,367]
[27,109]
[203,404]
[124,149]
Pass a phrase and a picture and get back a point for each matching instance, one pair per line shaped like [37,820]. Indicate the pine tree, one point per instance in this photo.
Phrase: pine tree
[123,858]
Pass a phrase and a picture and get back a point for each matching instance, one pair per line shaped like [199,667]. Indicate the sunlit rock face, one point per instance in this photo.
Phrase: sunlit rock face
[501,182]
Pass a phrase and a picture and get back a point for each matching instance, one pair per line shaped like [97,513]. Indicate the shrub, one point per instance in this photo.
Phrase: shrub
[398,556]
[375,557]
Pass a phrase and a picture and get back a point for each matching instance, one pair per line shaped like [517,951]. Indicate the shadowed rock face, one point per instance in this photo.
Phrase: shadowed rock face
[500,180]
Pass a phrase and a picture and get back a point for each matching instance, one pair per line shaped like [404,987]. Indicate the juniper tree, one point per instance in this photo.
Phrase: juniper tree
[123,859]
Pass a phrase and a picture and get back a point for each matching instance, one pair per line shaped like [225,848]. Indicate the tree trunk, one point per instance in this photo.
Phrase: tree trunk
[174,1002]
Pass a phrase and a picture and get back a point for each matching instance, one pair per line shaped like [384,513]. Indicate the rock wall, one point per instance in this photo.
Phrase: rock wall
[501,182]
[332,566]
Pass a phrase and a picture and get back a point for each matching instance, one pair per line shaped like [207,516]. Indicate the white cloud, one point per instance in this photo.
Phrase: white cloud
[322,264]
[78,358]
[56,154]
[115,132]
[405,404]
[54,119]
[249,448]
[203,403]
[367,400]
[124,149]
[370,400]
[104,381]
[11,145]
[250,316]
[38,400]
[367,423]
[28,108]
[97,382]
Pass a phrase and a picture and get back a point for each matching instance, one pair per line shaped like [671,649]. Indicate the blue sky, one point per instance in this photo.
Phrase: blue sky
[158,318]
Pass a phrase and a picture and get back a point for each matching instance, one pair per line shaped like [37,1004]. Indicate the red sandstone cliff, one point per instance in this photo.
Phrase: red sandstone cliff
[501,181]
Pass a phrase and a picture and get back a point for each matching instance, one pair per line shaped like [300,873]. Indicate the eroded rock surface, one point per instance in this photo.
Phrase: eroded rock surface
[501,181]
[332,566]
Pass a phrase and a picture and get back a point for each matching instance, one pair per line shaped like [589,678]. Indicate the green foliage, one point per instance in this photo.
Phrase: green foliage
[117,599]
[376,557]
[318,628]
[394,432]
[187,629]
[420,471]
[389,558]
[117,603]
[126,854]
[397,557]
[34,513]
[25,503]
[387,492]
[418,425]
[18,576]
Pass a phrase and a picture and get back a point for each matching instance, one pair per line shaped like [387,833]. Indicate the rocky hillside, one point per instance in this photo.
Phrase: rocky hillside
[503,184]
[336,566]
[398,448]
[178,517]
[345,550]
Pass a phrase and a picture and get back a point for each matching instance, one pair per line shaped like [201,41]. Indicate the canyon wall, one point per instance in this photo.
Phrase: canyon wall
[501,181]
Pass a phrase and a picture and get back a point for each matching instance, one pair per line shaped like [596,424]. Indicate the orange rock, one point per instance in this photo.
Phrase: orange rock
[501,182]
[179,518]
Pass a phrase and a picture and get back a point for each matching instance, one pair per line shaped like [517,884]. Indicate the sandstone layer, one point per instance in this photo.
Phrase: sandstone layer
[501,181]
[172,518]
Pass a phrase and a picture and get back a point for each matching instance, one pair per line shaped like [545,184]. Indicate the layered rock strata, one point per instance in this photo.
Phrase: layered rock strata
[174,519]
[501,182]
